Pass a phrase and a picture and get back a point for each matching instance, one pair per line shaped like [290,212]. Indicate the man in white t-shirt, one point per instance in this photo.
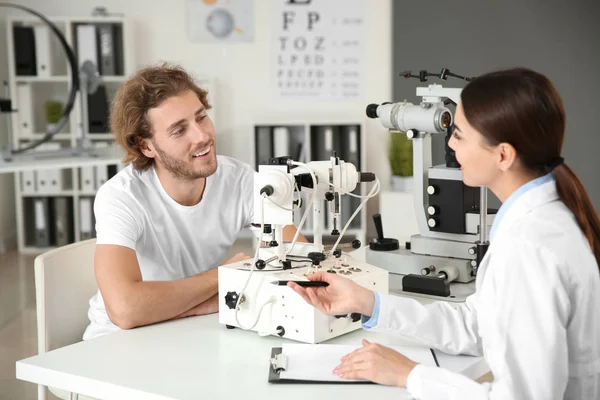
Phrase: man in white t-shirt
[166,221]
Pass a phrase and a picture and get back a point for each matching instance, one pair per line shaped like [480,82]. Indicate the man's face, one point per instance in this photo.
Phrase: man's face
[183,137]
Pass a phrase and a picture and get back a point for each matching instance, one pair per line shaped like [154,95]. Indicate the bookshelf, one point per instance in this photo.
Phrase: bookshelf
[54,203]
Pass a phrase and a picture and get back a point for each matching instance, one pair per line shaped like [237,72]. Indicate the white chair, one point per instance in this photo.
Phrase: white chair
[64,284]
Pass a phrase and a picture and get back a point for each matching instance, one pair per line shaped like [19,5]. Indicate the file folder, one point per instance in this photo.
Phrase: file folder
[87,179]
[25,107]
[62,221]
[28,182]
[314,363]
[279,365]
[42,222]
[86,223]
[87,46]
[43,51]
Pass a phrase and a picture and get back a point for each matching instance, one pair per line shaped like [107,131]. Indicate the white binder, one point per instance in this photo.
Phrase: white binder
[101,175]
[42,222]
[87,179]
[86,230]
[42,51]
[87,45]
[25,109]
[281,141]
[49,180]
[28,182]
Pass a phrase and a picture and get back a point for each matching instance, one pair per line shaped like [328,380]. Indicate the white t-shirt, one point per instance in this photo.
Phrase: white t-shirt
[171,241]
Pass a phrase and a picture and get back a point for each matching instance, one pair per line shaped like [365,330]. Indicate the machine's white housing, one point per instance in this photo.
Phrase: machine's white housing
[300,321]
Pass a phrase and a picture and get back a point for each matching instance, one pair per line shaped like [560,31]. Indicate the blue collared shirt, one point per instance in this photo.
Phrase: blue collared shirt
[513,197]
[371,322]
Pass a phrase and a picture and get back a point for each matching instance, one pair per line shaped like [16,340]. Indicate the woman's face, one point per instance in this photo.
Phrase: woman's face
[477,158]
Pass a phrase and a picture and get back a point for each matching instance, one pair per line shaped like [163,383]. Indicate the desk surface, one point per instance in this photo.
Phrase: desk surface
[191,358]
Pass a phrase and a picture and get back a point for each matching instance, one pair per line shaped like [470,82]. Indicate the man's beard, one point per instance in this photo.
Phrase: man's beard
[184,169]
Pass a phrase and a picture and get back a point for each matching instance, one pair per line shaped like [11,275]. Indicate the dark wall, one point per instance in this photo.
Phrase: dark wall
[558,38]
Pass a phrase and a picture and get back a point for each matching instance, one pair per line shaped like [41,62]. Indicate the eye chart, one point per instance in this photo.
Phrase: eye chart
[319,49]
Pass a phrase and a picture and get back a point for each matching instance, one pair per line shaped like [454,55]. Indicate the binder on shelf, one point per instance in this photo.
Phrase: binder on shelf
[87,179]
[101,171]
[106,42]
[264,145]
[98,111]
[101,175]
[24,47]
[43,51]
[42,221]
[87,49]
[49,181]
[24,109]
[86,218]
[281,141]
[28,182]
[63,224]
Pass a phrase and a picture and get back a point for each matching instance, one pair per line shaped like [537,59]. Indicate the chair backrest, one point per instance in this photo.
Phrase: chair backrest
[64,284]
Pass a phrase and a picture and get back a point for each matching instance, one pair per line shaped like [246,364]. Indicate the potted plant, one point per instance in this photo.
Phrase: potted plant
[401,161]
[54,110]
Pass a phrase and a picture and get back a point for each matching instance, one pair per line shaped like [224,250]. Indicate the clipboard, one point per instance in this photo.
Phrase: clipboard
[278,364]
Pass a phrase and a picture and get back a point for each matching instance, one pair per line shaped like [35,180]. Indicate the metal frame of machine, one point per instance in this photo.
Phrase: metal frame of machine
[248,298]
[452,241]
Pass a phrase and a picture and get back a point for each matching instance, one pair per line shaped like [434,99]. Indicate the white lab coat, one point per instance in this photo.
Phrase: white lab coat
[535,316]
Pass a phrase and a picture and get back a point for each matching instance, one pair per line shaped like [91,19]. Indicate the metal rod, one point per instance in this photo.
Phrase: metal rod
[483,201]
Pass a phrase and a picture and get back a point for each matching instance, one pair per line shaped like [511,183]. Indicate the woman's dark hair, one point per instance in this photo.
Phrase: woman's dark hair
[523,108]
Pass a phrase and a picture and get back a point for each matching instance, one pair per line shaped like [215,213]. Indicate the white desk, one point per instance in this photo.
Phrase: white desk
[193,358]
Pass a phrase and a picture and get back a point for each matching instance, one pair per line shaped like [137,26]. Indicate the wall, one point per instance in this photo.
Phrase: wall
[8,227]
[243,70]
[471,37]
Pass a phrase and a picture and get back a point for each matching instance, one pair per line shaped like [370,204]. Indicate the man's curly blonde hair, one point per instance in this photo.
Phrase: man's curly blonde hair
[147,89]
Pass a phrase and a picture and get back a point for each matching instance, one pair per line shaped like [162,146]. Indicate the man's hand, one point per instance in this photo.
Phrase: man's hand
[210,306]
[238,257]
[376,363]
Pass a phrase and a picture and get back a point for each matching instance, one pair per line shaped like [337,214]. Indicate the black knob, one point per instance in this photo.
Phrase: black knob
[280,330]
[316,255]
[268,190]
[335,232]
[355,316]
[267,229]
[260,264]
[273,243]
[316,261]
[341,316]
[356,244]
[378,226]
[286,264]
[366,177]
[231,299]
[337,253]
[329,196]
[407,245]
[372,110]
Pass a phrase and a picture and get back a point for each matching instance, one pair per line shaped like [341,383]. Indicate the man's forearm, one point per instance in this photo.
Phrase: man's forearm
[210,306]
[149,302]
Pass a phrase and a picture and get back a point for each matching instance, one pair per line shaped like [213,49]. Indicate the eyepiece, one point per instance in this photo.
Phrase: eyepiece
[372,110]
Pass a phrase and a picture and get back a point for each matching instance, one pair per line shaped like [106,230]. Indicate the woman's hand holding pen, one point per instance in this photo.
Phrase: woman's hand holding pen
[342,296]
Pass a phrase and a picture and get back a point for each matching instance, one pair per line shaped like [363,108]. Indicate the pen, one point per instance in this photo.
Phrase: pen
[434,358]
[302,283]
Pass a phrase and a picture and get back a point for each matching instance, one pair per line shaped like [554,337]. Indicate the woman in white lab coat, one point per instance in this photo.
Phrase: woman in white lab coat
[535,316]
